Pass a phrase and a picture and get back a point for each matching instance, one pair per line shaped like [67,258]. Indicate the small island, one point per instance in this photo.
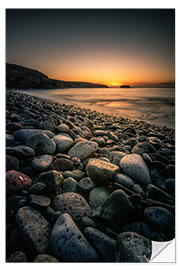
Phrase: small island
[125,86]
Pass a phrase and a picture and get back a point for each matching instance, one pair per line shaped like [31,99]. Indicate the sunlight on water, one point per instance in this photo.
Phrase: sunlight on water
[154,105]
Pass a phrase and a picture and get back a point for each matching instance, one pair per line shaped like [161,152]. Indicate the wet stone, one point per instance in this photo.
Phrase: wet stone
[132,247]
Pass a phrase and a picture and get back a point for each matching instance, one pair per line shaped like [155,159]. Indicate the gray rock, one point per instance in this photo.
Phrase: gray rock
[21,151]
[116,156]
[69,185]
[45,258]
[52,179]
[100,171]
[117,208]
[41,143]
[73,204]
[124,180]
[62,128]
[86,184]
[23,134]
[63,142]
[17,256]
[83,150]
[68,244]
[34,229]
[12,163]
[39,201]
[132,247]
[104,245]
[100,132]
[42,163]
[98,196]
[37,188]
[134,166]
[143,147]
[137,189]
[160,217]
[48,124]
[76,174]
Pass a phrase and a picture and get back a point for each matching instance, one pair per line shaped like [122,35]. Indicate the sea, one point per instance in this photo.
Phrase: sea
[153,105]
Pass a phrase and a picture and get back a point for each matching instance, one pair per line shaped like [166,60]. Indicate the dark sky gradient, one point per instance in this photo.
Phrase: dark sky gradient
[111,46]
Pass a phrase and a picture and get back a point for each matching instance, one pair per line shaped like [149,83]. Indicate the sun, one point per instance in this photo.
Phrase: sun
[115,84]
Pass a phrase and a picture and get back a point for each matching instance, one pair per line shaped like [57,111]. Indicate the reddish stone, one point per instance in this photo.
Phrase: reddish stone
[16,181]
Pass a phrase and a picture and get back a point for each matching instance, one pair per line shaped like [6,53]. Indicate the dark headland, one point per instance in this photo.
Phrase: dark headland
[19,77]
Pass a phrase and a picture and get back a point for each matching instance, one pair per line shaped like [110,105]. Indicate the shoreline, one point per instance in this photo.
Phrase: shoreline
[79,180]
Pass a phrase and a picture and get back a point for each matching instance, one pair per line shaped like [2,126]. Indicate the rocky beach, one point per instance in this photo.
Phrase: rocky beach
[83,186]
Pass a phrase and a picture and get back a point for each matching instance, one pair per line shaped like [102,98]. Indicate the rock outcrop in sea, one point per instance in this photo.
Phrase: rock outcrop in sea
[82,186]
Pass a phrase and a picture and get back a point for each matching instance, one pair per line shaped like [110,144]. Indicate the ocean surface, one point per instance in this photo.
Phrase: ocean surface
[153,105]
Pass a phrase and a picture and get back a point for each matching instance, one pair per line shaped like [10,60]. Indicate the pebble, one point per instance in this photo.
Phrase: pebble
[72,203]
[63,164]
[23,134]
[39,201]
[63,142]
[20,151]
[42,163]
[16,181]
[98,196]
[52,180]
[12,163]
[132,247]
[45,258]
[117,208]
[153,192]
[134,166]
[48,124]
[18,256]
[41,143]
[37,188]
[34,229]
[100,171]
[103,244]
[68,244]
[69,185]
[137,189]
[86,184]
[124,180]
[63,128]
[143,147]
[116,156]
[83,150]
[76,174]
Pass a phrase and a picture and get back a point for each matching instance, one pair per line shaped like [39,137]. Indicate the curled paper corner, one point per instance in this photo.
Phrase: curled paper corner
[163,252]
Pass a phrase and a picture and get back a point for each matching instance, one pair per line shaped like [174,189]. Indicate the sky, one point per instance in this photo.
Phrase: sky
[110,46]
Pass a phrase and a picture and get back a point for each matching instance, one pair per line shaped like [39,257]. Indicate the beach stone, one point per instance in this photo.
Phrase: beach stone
[161,218]
[68,244]
[155,193]
[12,163]
[48,124]
[143,147]
[124,180]
[39,201]
[72,203]
[17,256]
[132,141]
[100,132]
[134,166]
[69,185]
[116,156]
[100,141]
[132,247]
[23,134]
[100,171]
[41,143]
[117,208]
[137,189]
[63,164]
[63,142]
[37,188]
[103,244]
[98,196]
[42,163]
[45,258]
[52,180]
[63,128]
[34,229]
[9,140]
[170,183]
[86,184]
[83,150]
[76,174]
[16,181]
[21,151]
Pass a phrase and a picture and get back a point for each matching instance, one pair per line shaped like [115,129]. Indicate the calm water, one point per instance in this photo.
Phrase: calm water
[154,105]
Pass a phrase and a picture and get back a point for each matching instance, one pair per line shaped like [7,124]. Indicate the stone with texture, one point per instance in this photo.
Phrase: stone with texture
[16,181]
[45,258]
[62,128]
[83,150]
[73,204]
[39,201]
[21,151]
[100,171]
[86,184]
[132,247]
[42,163]
[134,166]
[37,188]
[52,180]
[48,124]
[63,142]
[34,229]
[18,257]
[69,185]
[68,244]
[104,245]
[63,164]
[41,143]
[23,134]
[98,196]
[143,147]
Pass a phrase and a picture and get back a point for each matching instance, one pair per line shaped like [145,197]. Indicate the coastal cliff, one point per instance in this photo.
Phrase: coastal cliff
[19,77]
